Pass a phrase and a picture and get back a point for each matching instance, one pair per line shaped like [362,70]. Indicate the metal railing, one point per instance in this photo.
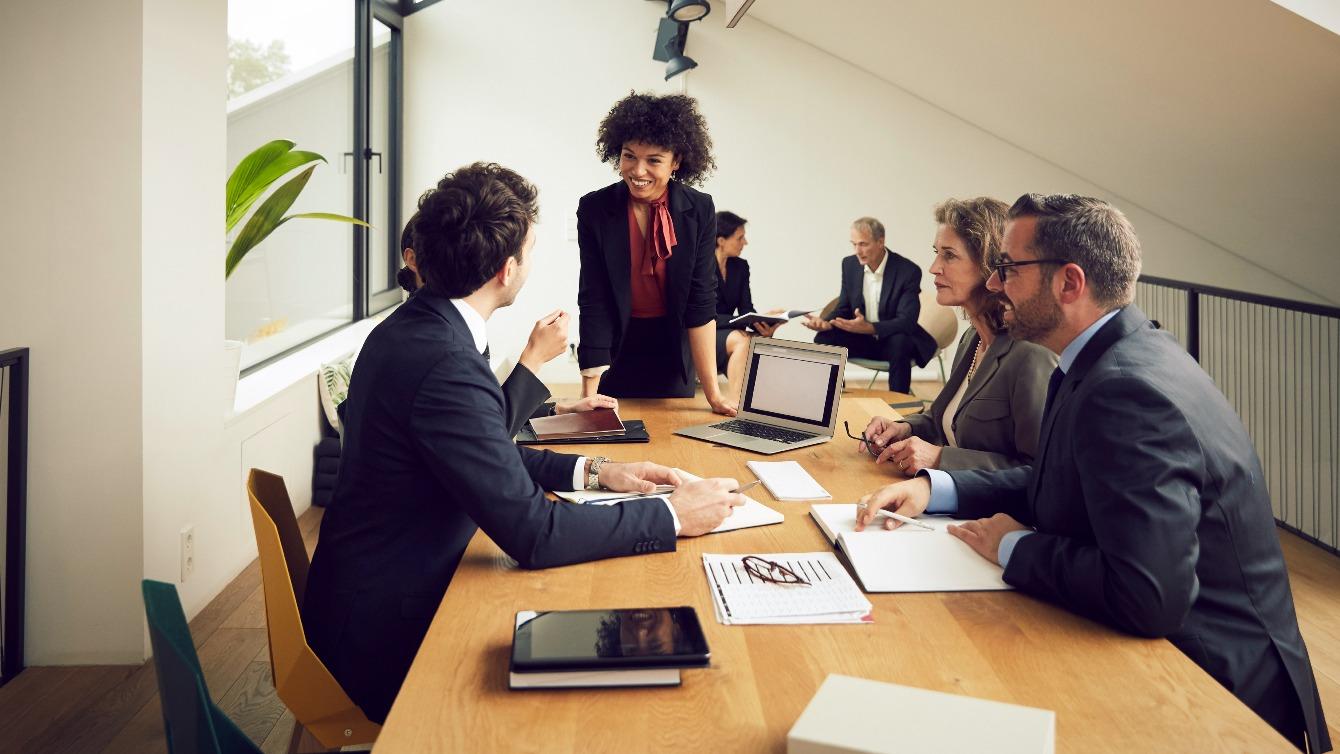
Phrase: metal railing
[1278,363]
[14,411]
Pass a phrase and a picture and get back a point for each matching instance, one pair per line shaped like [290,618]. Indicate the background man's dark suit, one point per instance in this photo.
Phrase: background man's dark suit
[898,338]
[427,458]
[1152,515]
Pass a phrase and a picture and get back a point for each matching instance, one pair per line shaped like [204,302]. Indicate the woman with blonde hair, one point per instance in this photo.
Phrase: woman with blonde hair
[989,413]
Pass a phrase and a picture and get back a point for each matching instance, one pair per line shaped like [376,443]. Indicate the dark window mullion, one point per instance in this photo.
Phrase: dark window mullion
[362,122]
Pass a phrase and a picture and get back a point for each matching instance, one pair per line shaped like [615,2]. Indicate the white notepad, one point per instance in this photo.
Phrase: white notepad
[752,513]
[788,480]
[831,597]
[838,719]
[908,559]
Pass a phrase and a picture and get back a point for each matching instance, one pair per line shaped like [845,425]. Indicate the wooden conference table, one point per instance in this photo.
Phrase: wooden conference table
[1110,692]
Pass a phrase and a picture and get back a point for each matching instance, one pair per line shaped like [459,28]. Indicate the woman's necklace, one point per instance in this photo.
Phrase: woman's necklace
[972,368]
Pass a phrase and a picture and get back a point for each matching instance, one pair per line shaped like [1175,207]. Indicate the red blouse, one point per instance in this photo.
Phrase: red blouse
[646,282]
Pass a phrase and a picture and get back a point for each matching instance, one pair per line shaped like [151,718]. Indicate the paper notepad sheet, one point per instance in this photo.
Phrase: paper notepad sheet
[908,559]
[752,513]
[838,719]
[788,480]
[740,598]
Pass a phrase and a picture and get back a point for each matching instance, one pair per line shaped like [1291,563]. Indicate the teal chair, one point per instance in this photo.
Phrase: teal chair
[191,721]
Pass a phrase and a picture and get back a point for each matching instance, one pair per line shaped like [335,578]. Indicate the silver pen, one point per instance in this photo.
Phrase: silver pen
[900,517]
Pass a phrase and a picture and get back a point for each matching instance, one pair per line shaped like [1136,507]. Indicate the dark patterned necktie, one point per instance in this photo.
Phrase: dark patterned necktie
[1052,385]
[486,352]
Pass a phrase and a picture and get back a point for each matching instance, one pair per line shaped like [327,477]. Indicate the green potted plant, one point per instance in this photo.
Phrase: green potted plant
[252,177]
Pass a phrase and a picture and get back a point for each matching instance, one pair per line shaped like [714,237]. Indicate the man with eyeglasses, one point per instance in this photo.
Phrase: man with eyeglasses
[1146,508]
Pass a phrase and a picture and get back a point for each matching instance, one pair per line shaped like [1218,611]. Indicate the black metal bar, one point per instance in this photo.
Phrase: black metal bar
[395,112]
[362,125]
[1307,537]
[1251,298]
[16,512]
[1193,324]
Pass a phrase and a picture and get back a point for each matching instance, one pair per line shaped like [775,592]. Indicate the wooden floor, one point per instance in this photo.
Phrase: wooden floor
[115,708]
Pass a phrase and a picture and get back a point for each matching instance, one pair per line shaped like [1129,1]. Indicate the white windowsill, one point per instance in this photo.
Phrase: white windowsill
[263,384]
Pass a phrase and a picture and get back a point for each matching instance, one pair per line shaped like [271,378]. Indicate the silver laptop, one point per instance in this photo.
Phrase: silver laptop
[791,392]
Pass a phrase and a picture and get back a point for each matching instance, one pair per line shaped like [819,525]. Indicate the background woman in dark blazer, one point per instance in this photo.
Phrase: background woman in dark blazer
[733,299]
[989,412]
[647,288]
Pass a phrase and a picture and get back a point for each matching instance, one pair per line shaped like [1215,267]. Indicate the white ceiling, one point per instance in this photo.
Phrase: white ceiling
[1221,116]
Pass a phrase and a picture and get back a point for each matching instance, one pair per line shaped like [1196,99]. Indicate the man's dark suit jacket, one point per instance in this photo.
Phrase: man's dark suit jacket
[899,301]
[1152,516]
[603,296]
[427,459]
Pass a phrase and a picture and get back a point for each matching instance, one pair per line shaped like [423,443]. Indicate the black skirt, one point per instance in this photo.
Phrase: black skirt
[651,362]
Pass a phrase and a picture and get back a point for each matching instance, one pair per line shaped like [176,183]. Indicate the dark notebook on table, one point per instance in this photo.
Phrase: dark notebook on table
[633,431]
[601,422]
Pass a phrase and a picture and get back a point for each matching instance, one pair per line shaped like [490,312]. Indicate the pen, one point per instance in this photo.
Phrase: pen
[901,517]
[740,489]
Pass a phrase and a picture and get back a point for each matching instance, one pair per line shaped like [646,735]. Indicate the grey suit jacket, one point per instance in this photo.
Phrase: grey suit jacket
[999,417]
[1152,515]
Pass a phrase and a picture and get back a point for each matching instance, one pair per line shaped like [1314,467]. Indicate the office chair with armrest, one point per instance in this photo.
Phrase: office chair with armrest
[192,722]
[318,703]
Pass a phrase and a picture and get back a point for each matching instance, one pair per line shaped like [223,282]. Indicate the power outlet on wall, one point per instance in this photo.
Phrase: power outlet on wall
[187,552]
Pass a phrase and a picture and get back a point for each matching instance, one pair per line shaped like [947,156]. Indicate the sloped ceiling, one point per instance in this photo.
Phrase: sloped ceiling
[1221,116]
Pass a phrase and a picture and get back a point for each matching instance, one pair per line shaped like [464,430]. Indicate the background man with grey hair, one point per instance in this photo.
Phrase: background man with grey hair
[1146,508]
[877,307]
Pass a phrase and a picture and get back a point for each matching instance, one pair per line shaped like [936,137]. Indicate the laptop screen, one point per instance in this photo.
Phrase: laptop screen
[794,384]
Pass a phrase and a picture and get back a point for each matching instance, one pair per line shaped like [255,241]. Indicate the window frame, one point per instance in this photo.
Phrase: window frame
[366,302]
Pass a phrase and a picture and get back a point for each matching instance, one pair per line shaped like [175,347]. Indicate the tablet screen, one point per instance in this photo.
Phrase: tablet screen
[609,639]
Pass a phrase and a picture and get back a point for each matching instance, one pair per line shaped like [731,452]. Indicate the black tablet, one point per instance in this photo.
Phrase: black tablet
[654,637]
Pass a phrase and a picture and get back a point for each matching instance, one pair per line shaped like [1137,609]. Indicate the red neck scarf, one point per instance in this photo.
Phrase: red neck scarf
[661,232]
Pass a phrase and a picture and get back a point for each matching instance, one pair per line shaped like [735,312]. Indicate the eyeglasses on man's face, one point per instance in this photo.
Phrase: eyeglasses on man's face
[1002,268]
[770,572]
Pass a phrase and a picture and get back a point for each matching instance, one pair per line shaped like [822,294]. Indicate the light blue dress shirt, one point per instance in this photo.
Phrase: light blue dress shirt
[944,497]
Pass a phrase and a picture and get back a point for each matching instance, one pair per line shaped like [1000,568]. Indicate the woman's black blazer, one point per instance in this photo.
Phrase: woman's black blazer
[603,296]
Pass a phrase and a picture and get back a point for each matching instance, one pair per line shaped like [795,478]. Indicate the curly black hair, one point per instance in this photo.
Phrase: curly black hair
[671,121]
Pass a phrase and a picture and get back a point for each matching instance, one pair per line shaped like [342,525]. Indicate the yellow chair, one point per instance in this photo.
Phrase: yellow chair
[306,687]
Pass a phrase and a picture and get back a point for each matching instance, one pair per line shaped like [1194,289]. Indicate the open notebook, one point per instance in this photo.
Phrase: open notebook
[752,513]
[907,559]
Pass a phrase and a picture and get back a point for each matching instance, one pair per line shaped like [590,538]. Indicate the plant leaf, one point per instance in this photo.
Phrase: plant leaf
[267,175]
[329,216]
[265,219]
[247,170]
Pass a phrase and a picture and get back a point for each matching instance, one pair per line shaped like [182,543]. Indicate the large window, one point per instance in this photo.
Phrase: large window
[326,75]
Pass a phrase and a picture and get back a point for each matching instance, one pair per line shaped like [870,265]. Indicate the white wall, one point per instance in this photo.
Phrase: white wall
[804,142]
[185,56]
[70,284]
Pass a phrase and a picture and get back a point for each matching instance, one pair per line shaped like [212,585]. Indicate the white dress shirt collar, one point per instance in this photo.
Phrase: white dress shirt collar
[878,271]
[475,321]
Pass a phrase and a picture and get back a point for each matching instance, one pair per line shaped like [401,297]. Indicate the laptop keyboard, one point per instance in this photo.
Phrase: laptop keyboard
[763,431]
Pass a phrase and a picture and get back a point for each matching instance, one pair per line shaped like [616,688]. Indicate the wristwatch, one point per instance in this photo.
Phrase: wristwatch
[593,472]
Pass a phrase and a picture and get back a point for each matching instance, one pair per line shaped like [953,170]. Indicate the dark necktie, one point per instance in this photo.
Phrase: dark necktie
[486,352]
[1052,385]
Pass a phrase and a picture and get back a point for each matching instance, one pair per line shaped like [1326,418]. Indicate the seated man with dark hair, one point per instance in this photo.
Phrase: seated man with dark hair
[428,460]
[524,396]
[877,307]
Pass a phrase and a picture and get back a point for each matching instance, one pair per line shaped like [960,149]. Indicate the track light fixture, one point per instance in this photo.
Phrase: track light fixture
[688,11]
[673,33]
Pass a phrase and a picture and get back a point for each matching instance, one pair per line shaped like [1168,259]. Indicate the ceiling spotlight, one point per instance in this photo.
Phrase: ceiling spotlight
[670,39]
[688,10]
[679,64]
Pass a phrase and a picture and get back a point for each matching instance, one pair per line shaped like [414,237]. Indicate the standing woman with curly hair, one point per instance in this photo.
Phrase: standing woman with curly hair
[648,285]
